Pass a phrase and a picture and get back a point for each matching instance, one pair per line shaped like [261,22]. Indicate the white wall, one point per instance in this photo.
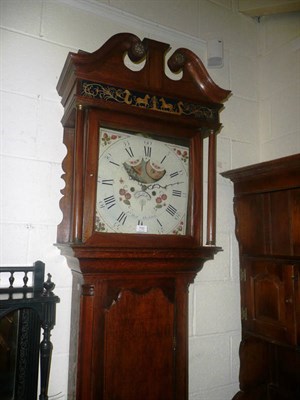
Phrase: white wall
[36,36]
[279,83]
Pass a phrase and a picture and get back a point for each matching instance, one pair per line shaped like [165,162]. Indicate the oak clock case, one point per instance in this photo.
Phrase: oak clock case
[132,228]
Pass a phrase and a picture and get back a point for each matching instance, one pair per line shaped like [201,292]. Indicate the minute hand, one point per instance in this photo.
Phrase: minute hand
[159,186]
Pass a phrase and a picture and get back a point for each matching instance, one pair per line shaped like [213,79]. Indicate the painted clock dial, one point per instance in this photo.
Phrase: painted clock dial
[142,184]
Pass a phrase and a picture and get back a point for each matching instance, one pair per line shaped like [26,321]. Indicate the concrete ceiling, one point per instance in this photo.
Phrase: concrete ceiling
[259,8]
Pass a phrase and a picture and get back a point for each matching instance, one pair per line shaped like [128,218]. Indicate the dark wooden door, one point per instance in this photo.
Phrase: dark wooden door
[138,348]
[270,299]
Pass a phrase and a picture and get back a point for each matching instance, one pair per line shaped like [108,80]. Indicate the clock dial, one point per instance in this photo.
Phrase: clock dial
[142,185]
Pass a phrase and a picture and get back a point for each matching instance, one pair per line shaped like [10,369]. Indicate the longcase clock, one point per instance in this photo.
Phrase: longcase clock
[133,213]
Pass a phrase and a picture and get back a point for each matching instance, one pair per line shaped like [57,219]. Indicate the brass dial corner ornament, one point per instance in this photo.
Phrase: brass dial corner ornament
[142,184]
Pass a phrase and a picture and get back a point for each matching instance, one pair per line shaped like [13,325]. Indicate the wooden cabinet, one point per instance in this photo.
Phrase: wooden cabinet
[267,211]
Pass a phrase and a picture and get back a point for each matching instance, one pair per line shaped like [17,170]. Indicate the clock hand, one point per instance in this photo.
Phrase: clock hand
[159,186]
[142,203]
[146,187]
